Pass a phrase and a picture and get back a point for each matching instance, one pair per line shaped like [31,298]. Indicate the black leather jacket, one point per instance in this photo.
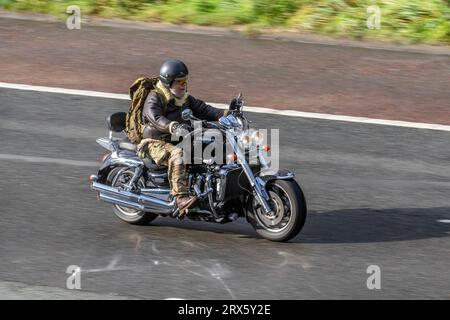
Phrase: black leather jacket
[158,123]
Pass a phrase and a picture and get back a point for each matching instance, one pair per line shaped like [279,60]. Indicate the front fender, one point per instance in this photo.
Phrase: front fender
[264,177]
[280,174]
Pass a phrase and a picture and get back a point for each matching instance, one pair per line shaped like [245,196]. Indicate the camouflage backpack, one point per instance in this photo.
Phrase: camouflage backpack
[139,91]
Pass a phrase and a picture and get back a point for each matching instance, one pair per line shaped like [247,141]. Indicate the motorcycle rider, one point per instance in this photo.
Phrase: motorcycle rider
[163,120]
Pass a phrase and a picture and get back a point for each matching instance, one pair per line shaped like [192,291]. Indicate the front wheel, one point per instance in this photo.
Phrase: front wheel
[289,207]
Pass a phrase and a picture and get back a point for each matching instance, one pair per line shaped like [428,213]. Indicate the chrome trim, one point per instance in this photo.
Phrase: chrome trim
[275,174]
[210,198]
[120,202]
[261,193]
[285,177]
[106,143]
[258,219]
[261,182]
[136,176]
[158,175]
[155,190]
[148,202]
[116,159]
[162,194]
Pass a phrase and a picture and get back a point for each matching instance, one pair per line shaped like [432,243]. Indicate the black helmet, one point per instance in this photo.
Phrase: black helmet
[172,69]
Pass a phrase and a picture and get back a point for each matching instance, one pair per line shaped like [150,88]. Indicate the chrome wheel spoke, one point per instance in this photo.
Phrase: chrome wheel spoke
[282,208]
[120,181]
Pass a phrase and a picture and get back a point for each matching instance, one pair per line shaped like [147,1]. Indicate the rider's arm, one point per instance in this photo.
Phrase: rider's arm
[153,112]
[204,111]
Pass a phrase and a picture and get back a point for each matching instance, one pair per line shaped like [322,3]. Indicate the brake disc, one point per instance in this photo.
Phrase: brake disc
[278,207]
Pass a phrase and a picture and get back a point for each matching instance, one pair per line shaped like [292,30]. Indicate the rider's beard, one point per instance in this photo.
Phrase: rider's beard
[180,95]
[178,92]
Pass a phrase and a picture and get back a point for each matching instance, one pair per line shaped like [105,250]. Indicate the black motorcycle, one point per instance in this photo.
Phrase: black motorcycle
[228,186]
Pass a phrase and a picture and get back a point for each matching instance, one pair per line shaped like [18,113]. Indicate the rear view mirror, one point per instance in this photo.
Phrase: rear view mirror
[186,114]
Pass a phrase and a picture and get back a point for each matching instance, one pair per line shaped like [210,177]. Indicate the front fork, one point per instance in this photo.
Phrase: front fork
[262,195]
[257,183]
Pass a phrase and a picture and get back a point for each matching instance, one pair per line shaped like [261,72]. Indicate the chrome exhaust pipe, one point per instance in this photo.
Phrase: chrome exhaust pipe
[120,202]
[133,200]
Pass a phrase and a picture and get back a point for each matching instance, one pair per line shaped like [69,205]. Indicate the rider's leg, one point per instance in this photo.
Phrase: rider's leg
[167,154]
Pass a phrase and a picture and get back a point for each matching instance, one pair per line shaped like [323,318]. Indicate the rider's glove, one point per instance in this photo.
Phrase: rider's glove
[234,104]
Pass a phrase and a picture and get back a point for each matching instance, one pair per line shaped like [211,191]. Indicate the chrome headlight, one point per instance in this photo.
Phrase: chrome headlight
[244,138]
[250,137]
[257,138]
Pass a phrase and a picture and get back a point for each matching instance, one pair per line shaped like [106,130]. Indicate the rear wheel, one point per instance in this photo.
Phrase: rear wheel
[289,206]
[119,177]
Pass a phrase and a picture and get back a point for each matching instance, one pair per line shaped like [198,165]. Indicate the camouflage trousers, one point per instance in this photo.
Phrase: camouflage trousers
[166,154]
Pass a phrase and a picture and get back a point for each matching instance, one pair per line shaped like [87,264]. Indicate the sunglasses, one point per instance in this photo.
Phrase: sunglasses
[180,82]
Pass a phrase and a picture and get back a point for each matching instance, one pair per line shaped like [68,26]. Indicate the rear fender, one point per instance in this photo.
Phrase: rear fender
[105,168]
[116,159]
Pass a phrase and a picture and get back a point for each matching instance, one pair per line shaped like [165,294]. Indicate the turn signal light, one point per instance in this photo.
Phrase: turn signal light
[266,148]
[232,157]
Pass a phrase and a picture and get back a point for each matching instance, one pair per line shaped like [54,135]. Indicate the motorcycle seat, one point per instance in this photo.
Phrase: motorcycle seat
[126,144]
[151,165]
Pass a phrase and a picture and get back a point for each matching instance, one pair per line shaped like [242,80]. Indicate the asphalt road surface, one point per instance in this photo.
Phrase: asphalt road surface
[377,195]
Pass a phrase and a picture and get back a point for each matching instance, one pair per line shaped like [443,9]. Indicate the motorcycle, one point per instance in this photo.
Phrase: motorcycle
[270,200]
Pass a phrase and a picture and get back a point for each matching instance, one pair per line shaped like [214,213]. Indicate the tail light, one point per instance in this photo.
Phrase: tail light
[103,158]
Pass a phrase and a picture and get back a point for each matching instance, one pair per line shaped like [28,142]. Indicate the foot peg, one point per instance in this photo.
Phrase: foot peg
[175,213]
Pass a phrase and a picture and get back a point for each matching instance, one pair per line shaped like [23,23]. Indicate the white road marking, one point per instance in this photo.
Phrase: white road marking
[292,113]
[16,157]
[87,93]
[444,221]
[333,117]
